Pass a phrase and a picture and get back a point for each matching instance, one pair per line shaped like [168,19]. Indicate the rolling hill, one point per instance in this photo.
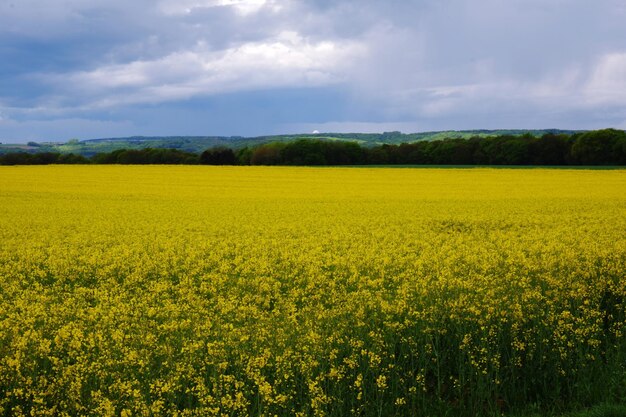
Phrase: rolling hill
[198,144]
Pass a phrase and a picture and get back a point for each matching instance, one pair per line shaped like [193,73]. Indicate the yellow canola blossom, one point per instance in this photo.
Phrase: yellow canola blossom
[192,290]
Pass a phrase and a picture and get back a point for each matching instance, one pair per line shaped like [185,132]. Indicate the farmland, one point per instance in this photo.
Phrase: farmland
[197,290]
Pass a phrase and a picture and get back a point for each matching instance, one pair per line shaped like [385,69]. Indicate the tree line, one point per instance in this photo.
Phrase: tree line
[600,147]
[121,156]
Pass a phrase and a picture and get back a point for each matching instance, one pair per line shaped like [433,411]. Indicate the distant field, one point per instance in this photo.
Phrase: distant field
[197,290]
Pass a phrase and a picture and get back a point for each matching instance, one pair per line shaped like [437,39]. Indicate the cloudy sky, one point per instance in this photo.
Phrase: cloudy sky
[107,68]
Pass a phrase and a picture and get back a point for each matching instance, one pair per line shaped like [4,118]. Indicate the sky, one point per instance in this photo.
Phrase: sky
[111,68]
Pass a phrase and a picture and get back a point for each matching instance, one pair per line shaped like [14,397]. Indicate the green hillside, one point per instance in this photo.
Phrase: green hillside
[198,144]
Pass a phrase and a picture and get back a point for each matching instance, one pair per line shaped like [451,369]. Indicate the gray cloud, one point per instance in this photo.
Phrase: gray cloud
[437,64]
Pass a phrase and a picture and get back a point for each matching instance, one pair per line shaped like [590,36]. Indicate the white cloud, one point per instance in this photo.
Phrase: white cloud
[607,84]
[243,7]
[287,60]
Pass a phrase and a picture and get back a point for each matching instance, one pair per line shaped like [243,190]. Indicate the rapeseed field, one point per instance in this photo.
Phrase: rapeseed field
[235,291]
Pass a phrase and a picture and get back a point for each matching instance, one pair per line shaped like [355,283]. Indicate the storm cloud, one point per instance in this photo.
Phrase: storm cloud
[90,68]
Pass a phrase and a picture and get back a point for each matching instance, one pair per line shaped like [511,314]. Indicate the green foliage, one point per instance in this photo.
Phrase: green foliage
[317,152]
[267,154]
[244,156]
[601,147]
[43,158]
[197,144]
[602,410]
[146,156]
[597,148]
[219,155]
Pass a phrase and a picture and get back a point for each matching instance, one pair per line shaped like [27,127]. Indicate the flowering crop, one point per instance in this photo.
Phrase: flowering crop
[194,290]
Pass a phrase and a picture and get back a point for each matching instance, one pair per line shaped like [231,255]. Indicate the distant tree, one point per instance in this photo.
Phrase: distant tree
[417,153]
[505,150]
[15,158]
[244,156]
[44,158]
[218,156]
[550,149]
[348,153]
[304,152]
[515,150]
[23,158]
[107,157]
[267,154]
[600,147]
[619,149]
[451,152]
[134,157]
[391,137]
[378,156]
[462,152]
[71,158]
[146,156]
